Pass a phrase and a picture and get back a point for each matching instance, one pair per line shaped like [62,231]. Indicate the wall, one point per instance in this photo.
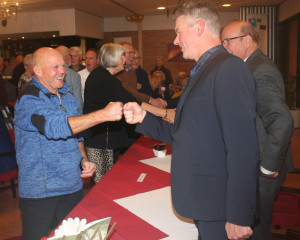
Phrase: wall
[288,9]
[67,21]
[157,32]
[88,25]
[42,21]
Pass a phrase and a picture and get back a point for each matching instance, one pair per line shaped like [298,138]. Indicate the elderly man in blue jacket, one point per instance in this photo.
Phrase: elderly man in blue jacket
[50,152]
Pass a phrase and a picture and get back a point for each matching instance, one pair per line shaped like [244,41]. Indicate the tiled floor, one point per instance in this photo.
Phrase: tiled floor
[10,219]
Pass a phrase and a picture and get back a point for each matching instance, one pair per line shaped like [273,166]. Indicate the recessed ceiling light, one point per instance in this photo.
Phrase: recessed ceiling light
[226,5]
[161,8]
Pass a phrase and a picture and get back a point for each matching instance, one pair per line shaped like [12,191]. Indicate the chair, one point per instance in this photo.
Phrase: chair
[8,164]
[286,210]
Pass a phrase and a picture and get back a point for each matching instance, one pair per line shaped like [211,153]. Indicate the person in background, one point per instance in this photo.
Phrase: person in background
[71,77]
[7,77]
[214,167]
[91,62]
[76,57]
[143,83]
[129,80]
[159,86]
[160,67]
[19,69]
[50,152]
[3,93]
[101,87]
[274,122]
[27,76]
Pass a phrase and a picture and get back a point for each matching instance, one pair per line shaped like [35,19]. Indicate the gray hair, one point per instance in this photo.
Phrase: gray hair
[77,49]
[28,60]
[201,10]
[110,54]
[248,29]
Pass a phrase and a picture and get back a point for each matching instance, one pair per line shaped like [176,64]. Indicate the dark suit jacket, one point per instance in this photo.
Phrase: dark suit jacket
[215,152]
[274,121]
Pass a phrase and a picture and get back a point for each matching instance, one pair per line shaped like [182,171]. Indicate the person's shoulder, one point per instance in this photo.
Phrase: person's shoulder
[30,90]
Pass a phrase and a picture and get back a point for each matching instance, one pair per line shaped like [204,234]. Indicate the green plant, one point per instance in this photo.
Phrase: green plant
[290,91]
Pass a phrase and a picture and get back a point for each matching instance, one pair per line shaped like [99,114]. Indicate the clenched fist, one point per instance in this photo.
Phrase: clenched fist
[133,113]
[113,111]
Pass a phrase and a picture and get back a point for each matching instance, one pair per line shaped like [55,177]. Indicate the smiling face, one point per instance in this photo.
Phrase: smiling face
[49,68]
[185,37]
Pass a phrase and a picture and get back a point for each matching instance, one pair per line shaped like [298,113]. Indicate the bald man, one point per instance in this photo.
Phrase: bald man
[72,78]
[50,152]
[274,122]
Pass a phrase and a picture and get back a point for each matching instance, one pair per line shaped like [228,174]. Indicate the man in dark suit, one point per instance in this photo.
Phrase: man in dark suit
[274,121]
[214,168]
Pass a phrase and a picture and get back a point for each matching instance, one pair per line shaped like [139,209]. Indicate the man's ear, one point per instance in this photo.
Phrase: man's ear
[200,25]
[247,39]
[37,70]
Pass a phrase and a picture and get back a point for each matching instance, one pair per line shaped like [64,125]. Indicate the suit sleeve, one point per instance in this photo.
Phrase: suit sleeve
[156,128]
[77,91]
[275,116]
[235,102]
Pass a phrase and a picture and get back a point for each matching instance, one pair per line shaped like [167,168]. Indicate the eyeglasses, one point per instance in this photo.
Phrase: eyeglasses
[227,40]
[130,52]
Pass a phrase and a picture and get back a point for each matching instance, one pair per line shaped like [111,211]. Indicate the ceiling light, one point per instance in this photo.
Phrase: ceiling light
[7,9]
[161,8]
[226,5]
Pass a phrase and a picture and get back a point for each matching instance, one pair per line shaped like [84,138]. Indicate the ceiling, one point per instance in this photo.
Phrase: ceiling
[119,8]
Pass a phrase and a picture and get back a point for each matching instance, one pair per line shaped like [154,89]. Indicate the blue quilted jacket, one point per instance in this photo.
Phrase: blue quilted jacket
[47,151]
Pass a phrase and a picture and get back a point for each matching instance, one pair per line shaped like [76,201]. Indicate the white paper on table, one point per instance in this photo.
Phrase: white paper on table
[162,163]
[155,207]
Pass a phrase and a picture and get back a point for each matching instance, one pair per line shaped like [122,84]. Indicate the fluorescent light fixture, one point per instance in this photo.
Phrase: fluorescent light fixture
[161,8]
[226,5]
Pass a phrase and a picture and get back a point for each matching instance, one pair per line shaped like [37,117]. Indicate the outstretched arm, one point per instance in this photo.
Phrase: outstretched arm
[112,112]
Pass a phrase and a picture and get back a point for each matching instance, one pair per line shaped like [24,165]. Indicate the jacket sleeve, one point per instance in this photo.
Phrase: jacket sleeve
[141,97]
[35,114]
[277,124]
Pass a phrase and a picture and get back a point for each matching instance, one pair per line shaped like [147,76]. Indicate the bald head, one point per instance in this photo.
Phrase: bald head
[48,67]
[64,51]
[240,38]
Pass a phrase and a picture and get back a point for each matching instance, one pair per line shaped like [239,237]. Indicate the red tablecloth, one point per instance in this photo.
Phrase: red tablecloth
[120,182]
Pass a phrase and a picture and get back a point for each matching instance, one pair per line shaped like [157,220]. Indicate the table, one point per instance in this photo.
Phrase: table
[120,185]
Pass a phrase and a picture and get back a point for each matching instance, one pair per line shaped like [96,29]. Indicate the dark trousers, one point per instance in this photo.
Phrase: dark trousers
[268,190]
[40,216]
[211,230]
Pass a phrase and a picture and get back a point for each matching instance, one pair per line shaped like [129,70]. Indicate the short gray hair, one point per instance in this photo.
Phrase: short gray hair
[28,60]
[76,49]
[110,54]
[201,10]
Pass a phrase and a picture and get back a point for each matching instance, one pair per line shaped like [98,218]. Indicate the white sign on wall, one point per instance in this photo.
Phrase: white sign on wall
[260,23]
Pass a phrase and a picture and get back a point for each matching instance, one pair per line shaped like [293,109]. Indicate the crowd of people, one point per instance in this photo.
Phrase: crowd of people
[227,122]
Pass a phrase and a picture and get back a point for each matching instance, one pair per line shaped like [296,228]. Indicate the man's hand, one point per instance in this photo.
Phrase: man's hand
[88,168]
[133,113]
[113,111]
[158,102]
[236,232]
[273,175]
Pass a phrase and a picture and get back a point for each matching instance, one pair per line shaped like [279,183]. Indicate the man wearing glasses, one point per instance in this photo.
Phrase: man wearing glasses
[274,122]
